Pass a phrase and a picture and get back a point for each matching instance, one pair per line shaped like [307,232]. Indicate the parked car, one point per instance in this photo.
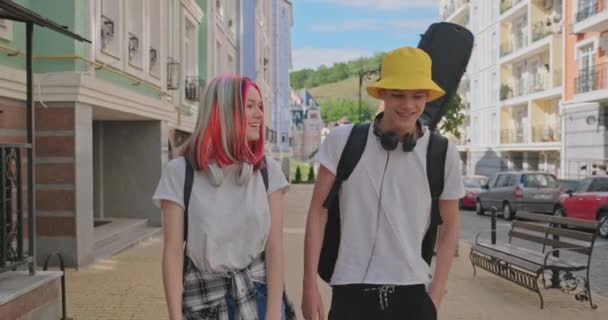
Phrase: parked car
[589,201]
[510,192]
[472,185]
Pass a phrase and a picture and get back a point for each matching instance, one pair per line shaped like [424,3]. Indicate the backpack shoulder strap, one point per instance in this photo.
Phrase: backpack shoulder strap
[351,154]
[187,191]
[435,170]
[435,163]
[264,172]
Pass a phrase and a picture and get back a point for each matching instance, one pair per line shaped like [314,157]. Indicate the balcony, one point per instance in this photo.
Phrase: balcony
[536,83]
[512,136]
[512,45]
[590,79]
[546,134]
[591,18]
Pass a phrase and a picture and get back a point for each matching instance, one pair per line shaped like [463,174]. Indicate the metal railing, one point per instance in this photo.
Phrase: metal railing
[513,44]
[510,136]
[535,83]
[581,168]
[546,134]
[13,215]
[591,9]
[590,78]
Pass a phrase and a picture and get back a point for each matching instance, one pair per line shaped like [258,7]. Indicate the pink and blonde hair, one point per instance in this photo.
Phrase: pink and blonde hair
[220,135]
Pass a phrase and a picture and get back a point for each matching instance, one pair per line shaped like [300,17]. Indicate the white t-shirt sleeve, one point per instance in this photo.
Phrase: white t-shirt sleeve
[171,184]
[331,149]
[276,178]
[453,187]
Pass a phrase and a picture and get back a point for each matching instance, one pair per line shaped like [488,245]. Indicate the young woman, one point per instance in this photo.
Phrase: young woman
[232,266]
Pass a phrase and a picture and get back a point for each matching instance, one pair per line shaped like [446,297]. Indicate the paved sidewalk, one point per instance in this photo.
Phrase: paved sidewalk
[129,286]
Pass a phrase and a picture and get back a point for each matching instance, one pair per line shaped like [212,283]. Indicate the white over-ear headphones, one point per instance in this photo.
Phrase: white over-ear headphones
[216,175]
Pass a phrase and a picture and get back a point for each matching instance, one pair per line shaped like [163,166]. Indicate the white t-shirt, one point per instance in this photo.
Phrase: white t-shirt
[398,228]
[227,225]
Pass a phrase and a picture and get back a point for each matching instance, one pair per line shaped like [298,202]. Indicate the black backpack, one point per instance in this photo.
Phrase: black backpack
[355,145]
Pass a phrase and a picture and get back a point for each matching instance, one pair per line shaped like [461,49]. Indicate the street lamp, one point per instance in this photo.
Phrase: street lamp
[367,75]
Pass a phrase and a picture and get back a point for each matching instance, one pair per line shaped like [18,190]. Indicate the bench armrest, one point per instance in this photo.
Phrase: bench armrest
[487,231]
[557,249]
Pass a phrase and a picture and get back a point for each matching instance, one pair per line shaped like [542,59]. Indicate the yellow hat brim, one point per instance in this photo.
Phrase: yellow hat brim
[434,90]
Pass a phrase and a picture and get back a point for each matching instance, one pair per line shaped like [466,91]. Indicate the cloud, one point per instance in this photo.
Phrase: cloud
[398,26]
[383,4]
[411,24]
[347,26]
[315,57]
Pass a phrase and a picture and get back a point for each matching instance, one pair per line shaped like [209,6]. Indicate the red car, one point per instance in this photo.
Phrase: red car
[472,186]
[589,201]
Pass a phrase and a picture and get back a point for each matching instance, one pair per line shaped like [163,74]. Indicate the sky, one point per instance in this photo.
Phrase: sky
[329,31]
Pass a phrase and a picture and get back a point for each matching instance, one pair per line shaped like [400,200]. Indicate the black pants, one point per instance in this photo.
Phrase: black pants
[374,302]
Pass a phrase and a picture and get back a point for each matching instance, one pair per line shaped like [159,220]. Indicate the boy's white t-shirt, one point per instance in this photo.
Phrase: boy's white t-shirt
[227,225]
[389,239]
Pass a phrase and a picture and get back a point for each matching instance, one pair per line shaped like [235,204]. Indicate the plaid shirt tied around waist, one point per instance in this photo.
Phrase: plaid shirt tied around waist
[204,295]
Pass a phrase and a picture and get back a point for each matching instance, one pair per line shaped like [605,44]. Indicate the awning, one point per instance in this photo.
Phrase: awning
[12,11]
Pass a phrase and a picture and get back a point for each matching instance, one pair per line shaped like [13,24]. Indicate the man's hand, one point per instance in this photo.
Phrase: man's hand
[436,298]
[312,304]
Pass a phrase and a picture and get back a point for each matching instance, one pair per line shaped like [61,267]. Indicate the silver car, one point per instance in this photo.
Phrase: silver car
[510,192]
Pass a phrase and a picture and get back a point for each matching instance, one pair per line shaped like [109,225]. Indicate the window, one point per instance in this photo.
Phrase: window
[230,65]
[6,29]
[494,47]
[539,181]
[219,9]
[494,125]
[155,33]
[110,26]
[585,57]
[502,181]
[218,58]
[599,185]
[512,181]
[585,60]
[584,185]
[134,41]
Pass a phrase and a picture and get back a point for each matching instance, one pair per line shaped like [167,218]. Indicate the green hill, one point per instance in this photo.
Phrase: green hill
[347,89]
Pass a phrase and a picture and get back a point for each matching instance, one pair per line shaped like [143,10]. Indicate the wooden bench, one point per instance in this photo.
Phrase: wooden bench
[527,267]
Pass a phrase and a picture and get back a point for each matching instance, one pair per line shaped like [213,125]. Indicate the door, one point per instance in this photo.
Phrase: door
[491,197]
[573,205]
[540,192]
[591,199]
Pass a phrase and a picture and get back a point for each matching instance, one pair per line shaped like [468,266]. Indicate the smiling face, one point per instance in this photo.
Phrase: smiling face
[254,113]
[402,108]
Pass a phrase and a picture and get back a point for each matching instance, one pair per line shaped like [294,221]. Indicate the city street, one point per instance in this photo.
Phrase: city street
[129,285]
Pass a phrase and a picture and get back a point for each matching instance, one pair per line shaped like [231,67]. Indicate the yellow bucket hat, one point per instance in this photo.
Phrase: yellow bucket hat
[406,68]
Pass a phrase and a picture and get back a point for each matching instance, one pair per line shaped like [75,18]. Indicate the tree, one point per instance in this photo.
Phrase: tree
[334,110]
[298,177]
[453,119]
[311,174]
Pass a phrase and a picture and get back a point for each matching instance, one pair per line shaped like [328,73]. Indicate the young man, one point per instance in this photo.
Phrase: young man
[385,207]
